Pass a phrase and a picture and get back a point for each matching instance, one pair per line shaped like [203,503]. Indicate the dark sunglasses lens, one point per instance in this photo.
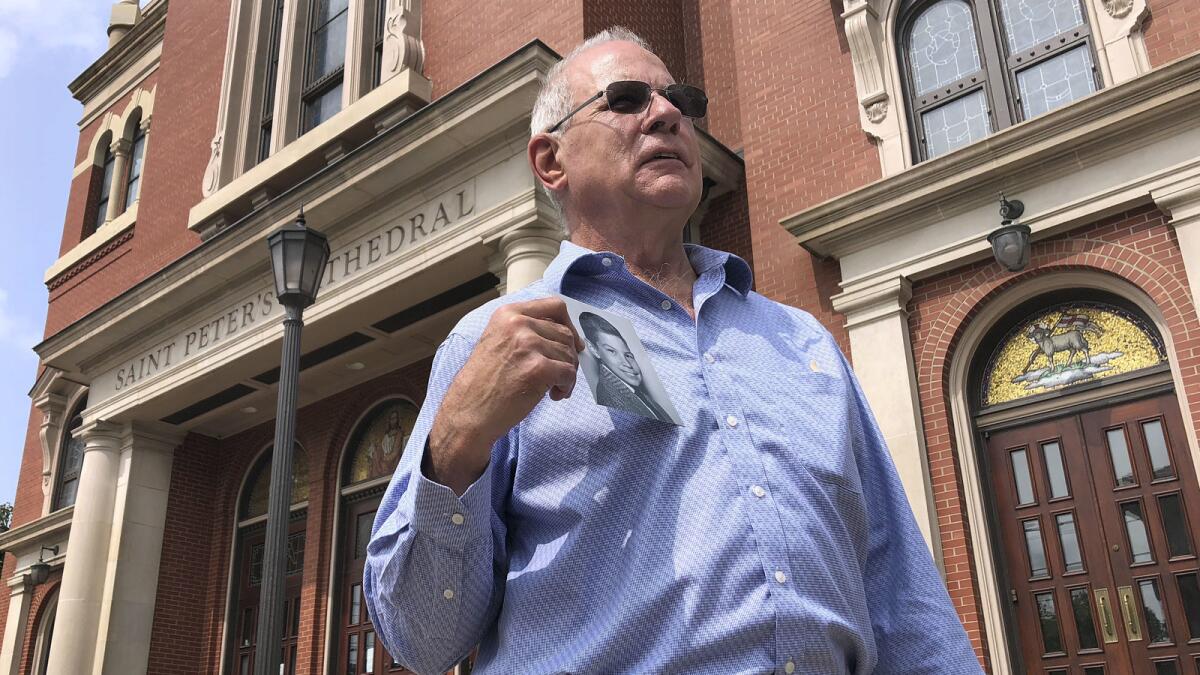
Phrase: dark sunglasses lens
[628,97]
[690,100]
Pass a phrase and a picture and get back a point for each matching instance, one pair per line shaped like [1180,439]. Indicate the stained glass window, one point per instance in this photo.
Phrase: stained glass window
[260,483]
[1056,81]
[1068,344]
[378,442]
[955,124]
[1028,23]
[941,46]
[70,461]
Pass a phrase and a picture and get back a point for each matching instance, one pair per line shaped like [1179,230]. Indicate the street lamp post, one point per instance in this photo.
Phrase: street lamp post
[298,257]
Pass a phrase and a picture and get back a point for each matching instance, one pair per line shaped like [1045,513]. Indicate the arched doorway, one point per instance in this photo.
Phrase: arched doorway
[375,447]
[242,623]
[1093,493]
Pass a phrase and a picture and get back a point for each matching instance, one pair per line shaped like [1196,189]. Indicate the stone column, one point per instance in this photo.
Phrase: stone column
[524,254]
[877,320]
[116,192]
[82,590]
[135,548]
[20,590]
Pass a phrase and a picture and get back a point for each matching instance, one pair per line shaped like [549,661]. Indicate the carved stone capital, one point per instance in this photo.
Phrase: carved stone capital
[402,46]
[1117,9]
[876,107]
[121,147]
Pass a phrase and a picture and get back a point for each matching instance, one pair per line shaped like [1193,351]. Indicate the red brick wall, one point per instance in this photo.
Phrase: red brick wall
[803,141]
[659,22]
[206,477]
[1172,31]
[1137,246]
[37,608]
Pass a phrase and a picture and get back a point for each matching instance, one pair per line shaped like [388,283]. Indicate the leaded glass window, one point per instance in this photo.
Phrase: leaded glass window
[324,62]
[378,442]
[70,462]
[972,68]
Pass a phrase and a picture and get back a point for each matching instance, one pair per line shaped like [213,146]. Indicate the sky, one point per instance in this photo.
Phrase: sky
[44,44]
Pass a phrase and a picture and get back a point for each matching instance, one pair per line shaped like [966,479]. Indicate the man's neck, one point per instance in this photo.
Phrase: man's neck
[656,257]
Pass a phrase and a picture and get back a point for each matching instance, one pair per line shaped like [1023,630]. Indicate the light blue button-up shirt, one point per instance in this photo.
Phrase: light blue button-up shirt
[768,533]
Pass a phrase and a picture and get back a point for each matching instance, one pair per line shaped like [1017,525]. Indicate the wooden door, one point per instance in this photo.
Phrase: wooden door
[1097,517]
[361,652]
[1150,512]
[250,551]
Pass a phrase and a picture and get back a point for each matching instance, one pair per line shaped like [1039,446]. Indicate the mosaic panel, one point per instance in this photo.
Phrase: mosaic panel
[256,502]
[380,440]
[1067,345]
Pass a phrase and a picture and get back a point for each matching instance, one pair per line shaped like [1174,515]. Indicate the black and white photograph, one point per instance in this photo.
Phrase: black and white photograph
[616,366]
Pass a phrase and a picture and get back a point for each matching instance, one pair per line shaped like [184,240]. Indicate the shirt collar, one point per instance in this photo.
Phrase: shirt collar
[577,260]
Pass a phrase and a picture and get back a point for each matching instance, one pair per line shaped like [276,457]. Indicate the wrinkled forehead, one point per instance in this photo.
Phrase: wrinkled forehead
[610,62]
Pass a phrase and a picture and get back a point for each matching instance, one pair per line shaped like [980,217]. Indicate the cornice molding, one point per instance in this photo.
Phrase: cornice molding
[31,534]
[847,223]
[141,39]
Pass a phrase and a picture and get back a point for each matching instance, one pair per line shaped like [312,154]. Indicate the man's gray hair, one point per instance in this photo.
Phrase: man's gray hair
[554,100]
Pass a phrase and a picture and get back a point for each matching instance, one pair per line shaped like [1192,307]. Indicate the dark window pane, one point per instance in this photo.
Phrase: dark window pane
[1020,469]
[255,560]
[941,45]
[1048,616]
[136,157]
[1058,671]
[327,53]
[1085,625]
[1031,22]
[1179,541]
[1122,468]
[1069,538]
[1156,443]
[322,107]
[1189,597]
[1055,470]
[955,124]
[1093,670]
[66,494]
[1166,668]
[1037,551]
[247,626]
[362,534]
[295,617]
[295,553]
[352,656]
[264,142]
[292,661]
[369,641]
[244,667]
[1156,615]
[1135,527]
[355,604]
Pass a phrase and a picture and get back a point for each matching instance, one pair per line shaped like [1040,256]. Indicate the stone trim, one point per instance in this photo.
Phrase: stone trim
[111,236]
[871,32]
[115,64]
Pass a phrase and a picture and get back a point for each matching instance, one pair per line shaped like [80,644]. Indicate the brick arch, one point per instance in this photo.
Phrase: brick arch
[37,613]
[1137,247]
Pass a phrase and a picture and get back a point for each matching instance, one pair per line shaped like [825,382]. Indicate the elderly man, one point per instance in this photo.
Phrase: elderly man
[769,533]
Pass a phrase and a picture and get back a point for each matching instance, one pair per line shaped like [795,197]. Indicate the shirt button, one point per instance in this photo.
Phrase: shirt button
[448,594]
[666,304]
[789,667]
[709,357]
[731,421]
[457,519]
[758,491]
[780,576]
[607,262]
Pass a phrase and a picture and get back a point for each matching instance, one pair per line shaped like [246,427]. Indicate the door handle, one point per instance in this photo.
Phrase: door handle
[1133,627]
[1107,624]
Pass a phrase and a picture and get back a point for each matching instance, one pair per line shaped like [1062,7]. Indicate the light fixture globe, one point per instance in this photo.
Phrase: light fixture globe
[298,257]
[1010,246]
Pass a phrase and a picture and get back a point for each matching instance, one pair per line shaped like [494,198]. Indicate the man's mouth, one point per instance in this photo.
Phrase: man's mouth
[659,156]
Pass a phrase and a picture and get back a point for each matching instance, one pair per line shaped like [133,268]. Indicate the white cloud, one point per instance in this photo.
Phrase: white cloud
[31,26]
[18,334]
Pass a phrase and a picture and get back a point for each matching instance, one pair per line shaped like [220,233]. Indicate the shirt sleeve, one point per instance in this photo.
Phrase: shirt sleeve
[434,568]
[915,625]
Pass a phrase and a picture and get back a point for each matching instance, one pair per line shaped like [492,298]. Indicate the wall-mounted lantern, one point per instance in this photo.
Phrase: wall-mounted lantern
[1010,243]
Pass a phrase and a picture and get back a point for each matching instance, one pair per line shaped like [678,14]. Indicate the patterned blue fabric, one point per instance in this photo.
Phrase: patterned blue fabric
[769,529]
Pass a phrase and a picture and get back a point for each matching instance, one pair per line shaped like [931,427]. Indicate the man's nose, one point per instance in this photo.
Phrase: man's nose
[661,115]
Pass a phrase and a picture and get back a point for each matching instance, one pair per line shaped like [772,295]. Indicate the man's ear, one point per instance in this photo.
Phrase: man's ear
[546,163]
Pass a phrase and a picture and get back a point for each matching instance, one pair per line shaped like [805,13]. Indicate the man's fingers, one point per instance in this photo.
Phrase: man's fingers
[553,330]
[552,309]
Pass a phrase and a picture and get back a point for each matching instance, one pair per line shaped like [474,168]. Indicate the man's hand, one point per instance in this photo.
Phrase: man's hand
[527,349]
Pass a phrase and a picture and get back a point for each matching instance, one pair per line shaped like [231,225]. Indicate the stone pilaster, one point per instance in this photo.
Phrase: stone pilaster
[20,589]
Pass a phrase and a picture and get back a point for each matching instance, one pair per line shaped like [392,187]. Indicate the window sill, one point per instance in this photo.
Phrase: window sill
[324,145]
[106,233]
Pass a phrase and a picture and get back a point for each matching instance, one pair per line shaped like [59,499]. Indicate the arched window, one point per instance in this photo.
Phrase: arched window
[248,563]
[137,153]
[962,83]
[44,633]
[101,187]
[371,457]
[70,460]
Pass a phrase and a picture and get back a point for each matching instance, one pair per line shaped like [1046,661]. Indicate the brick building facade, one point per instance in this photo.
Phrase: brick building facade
[855,155]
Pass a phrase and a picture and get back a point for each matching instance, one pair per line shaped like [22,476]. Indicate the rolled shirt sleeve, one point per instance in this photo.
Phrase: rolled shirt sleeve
[431,577]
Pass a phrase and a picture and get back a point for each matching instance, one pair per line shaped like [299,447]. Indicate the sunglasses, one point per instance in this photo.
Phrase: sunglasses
[629,97]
